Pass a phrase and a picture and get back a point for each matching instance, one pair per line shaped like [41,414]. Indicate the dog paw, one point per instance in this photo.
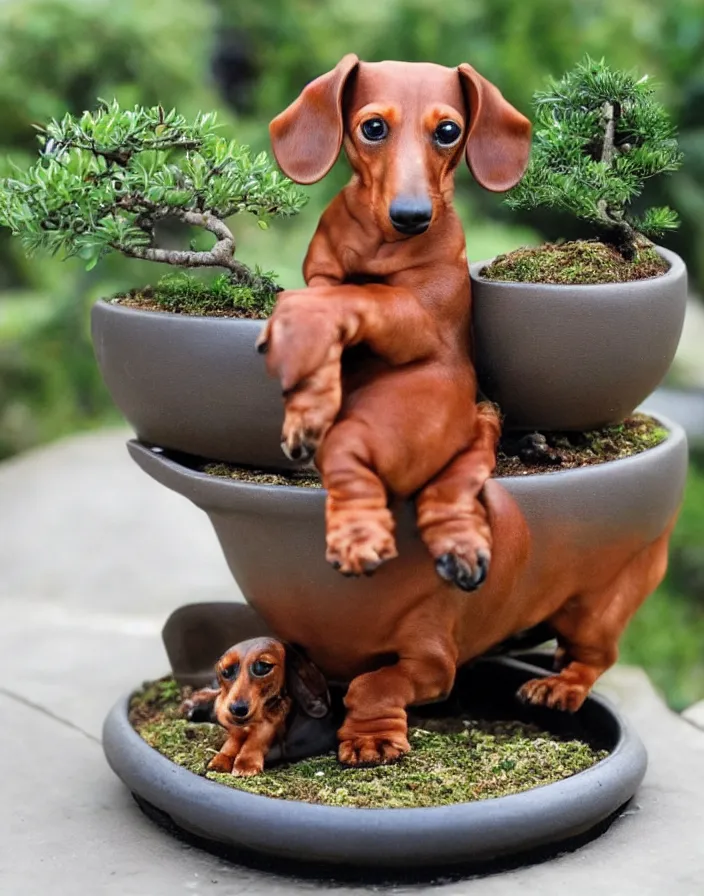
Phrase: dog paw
[220,763]
[186,709]
[304,432]
[361,546]
[372,750]
[555,692]
[465,572]
[247,768]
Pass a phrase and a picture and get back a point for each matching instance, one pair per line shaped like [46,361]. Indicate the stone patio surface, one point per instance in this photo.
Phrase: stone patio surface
[93,557]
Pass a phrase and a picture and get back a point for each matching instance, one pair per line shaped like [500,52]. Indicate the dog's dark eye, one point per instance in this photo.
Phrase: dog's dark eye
[375,129]
[259,668]
[229,673]
[447,133]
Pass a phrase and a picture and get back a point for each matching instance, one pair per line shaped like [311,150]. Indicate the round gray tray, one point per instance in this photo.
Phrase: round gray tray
[552,816]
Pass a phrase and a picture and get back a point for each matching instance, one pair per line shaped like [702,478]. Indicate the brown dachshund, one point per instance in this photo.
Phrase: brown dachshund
[374,362]
[374,356]
[260,682]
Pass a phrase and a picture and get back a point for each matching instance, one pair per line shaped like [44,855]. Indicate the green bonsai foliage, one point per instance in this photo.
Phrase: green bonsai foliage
[107,180]
[599,135]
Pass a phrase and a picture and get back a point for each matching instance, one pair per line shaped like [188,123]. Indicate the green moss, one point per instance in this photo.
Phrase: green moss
[182,293]
[520,455]
[451,761]
[577,262]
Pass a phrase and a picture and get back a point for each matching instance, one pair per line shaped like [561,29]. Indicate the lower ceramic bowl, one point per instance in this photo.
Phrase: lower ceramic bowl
[273,538]
[248,826]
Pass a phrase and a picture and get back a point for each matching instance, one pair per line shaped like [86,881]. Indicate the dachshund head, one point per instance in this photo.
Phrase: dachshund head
[405,127]
[258,676]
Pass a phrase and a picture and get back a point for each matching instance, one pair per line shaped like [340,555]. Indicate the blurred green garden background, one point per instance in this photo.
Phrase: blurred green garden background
[249,60]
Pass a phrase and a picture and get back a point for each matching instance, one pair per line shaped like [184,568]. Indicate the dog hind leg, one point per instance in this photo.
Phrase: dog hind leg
[589,627]
[375,729]
[360,526]
[452,519]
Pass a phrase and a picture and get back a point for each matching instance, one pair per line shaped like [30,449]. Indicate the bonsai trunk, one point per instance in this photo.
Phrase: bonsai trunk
[618,231]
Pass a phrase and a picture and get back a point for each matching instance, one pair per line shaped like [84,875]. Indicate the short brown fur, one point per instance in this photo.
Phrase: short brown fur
[251,736]
[395,415]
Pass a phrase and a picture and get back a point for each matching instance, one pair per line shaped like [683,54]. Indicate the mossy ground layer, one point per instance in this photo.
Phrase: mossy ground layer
[451,761]
[578,262]
[519,455]
[183,293]
[544,452]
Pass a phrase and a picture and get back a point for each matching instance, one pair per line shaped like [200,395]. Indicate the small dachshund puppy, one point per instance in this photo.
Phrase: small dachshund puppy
[262,683]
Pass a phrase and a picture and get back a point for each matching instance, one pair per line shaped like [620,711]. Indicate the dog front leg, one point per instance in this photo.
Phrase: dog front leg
[452,520]
[305,338]
[224,760]
[250,759]
[375,729]
[200,705]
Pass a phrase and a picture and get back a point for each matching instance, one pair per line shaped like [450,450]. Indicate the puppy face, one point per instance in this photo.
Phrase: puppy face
[249,674]
[405,127]
[405,130]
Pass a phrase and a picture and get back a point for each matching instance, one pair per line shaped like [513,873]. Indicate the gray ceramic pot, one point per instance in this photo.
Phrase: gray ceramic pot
[575,357]
[191,384]
[465,833]
[273,537]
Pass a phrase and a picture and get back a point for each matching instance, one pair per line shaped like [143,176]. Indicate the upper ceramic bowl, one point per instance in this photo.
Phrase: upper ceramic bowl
[558,357]
[191,384]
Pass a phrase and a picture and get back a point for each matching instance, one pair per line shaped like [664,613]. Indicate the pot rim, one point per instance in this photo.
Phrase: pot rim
[676,270]
[314,831]
[151,458]
[114,306]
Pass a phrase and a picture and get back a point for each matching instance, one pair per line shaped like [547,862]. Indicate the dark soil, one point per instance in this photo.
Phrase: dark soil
[519,454]
[572,263]
[451,761]
[301,479]
[522,455]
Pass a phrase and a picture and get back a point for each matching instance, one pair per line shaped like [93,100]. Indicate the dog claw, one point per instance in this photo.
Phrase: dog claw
[553,692]
[454,569]
[300,452]
[369,567]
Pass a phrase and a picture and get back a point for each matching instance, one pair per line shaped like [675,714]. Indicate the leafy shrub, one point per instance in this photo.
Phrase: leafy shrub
[600,135]
[106,180]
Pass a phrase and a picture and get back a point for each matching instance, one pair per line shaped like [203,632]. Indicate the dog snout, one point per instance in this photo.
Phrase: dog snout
[239,709]
[411,214]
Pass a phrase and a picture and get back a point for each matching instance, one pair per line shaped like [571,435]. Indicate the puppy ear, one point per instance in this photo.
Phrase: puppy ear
[498,143]
[307,137]
[306,684]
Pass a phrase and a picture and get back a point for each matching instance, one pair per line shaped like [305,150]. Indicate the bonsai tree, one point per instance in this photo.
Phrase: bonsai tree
[107,180]
[599,135]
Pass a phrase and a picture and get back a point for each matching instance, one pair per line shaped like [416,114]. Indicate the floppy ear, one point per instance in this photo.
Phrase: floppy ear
[306,684]
[498,143]
[307,137]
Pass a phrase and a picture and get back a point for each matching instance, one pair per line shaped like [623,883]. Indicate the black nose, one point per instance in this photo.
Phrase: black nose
[239,709]
[410,214]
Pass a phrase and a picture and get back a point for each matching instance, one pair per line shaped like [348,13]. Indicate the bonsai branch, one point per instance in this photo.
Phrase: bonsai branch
[120,157]
[220,255]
